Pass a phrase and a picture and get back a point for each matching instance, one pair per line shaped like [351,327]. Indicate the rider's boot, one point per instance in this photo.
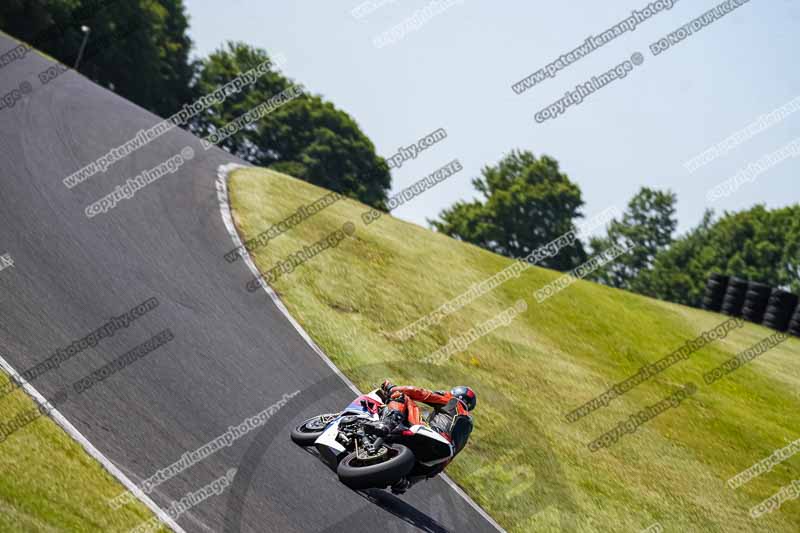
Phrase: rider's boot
[405,483]
[401,486]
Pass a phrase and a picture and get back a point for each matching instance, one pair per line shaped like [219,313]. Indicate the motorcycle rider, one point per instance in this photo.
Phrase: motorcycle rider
[451,418]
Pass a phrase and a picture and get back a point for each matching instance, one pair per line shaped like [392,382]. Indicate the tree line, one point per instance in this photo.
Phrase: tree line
[525,202]
[140,50]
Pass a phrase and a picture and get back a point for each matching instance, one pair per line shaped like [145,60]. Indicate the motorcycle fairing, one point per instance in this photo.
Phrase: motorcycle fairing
[364,406]
[430,447]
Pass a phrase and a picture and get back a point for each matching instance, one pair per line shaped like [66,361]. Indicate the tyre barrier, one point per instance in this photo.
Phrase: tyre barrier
[716,276]
[755,302]
[734,297]
[715,292]
[756,299]
[779,311]
[794,324]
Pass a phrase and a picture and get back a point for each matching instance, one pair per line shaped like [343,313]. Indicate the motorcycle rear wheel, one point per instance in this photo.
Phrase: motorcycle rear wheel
[358,474]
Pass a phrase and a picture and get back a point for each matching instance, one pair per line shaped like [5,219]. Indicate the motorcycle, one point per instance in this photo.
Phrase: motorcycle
[347,442]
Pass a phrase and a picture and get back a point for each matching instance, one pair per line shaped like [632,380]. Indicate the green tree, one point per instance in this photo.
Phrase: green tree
[307,137]
[646,228]
[757,244]
[139,48]
[31,20]
[526,203]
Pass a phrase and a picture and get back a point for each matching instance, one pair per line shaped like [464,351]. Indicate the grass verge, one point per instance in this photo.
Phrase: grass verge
[525,464]
[49,483]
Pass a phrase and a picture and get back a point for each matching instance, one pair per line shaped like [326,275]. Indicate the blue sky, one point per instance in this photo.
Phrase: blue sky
[456,71]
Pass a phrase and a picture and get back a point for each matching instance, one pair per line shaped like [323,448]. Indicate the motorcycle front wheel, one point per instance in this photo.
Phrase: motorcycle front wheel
[306,433]
[364,471]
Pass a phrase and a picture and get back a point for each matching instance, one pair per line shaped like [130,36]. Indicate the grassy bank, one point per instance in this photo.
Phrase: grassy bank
[48,483]
[525,464]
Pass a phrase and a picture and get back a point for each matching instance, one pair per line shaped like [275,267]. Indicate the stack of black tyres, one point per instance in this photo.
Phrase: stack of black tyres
[715,292]
[779,310]
[755,301]
[794,323]
[734,296]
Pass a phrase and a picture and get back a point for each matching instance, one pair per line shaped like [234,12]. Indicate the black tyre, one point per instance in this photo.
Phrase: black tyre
[756,296]
[731,311]
[712,304]
[738,283]
[794,324]
[716,276]
[364,472]
[715,292]
[733,300]
[750,308]
[732,306]
[781,304]
[779,312]
[755,301]
[306,433]
[734,297]
[783,299]
[754,317]
[778,323]
[775,317]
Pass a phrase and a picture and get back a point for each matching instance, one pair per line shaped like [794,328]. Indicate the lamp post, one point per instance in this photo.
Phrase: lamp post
[86,30]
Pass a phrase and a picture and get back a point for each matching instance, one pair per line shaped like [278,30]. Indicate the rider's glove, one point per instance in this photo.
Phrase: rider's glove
[387,387]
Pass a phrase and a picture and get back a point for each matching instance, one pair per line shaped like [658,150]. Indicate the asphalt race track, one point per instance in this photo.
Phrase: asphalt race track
[233,353]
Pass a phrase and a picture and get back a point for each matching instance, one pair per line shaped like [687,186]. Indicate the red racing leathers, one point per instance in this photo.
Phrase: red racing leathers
[450,417]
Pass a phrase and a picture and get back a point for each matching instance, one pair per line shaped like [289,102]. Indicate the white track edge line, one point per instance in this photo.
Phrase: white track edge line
[227,218]
[73,432]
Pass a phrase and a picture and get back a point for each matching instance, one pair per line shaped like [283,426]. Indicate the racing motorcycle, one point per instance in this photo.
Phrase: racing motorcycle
[347,442]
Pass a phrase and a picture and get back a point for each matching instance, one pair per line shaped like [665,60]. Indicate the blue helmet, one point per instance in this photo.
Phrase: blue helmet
[466,395]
